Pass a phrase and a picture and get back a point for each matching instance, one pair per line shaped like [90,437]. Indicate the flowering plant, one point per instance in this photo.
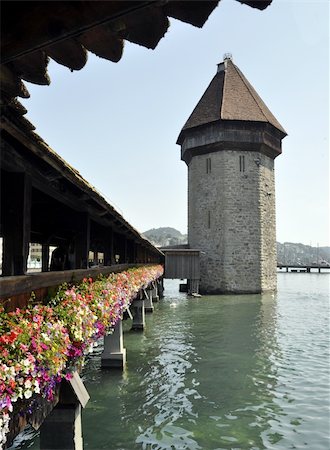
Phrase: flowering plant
[42,344]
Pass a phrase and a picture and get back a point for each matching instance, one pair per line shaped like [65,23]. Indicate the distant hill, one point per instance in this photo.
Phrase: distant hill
[161,237]
[290,253]
[287,253]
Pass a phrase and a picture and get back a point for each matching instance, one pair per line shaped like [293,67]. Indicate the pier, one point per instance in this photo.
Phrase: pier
[303,268]
[183,263]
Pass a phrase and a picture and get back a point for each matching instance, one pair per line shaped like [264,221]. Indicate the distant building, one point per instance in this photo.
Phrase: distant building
[229,144]
[35,252]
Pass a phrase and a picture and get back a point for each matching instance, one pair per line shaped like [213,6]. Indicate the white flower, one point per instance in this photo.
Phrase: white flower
[28,393]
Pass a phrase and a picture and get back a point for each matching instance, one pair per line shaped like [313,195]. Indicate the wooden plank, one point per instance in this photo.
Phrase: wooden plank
[45,257]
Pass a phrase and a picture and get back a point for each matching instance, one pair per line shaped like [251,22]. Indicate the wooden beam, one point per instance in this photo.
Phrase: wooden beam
[45,257]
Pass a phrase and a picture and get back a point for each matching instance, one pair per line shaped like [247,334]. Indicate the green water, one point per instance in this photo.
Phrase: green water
[219,372]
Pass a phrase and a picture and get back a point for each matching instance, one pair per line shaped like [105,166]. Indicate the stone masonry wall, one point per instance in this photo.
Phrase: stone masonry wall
[268,255]
[231,218]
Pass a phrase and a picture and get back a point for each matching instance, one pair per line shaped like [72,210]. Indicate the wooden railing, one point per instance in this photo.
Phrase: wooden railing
[19,288]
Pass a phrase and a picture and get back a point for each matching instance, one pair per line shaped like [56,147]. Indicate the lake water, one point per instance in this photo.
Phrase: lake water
[220,372]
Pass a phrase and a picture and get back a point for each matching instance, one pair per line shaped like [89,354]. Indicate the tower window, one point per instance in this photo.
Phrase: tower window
[242,163]
[208,165]
[209,219]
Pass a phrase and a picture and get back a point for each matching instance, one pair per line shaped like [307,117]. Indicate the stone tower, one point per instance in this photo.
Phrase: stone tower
[229,144]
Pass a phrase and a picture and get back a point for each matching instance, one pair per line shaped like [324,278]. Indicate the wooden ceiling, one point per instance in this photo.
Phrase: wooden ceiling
[32,32]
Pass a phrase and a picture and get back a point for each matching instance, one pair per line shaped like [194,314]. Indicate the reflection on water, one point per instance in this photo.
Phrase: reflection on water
[219,372]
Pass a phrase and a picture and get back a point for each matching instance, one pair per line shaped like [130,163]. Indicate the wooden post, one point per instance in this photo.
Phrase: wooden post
[16,223]
[154,292]
[193,286]
[108,248]
[82,242]
[95,258]
[160,284]
[148,305]
[134,252]
[45,257]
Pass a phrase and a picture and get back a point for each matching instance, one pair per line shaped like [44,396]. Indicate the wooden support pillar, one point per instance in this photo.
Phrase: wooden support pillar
[62,430]
[160,286]
[137,309]
[95,258]
[114,353]
[193,286]
[45,257]
[82,242]
[147,296]
[16,213]
[154,292]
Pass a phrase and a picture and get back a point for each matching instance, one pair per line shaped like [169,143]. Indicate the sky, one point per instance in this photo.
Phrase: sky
[118,123]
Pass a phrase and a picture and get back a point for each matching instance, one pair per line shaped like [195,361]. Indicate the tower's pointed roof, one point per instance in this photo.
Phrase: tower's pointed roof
[230,97]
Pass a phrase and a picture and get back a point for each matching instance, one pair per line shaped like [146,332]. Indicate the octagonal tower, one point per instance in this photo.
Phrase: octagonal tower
[229,144]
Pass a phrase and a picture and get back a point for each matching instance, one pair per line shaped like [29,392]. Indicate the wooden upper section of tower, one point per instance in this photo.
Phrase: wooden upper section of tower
[230,103]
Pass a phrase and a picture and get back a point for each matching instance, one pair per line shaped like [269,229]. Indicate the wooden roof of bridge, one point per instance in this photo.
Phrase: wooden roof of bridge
[32,32]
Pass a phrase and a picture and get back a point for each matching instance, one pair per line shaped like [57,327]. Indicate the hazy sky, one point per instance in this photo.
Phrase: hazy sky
[118,123]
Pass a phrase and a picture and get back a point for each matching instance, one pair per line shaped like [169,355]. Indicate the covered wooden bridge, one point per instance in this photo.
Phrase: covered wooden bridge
[46,201]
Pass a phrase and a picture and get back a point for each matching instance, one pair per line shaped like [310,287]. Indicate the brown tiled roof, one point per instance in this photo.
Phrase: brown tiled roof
[230,96]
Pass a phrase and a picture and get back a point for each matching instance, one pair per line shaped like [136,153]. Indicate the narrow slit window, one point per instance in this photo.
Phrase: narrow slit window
[242,163]
[208,165]
[209,219]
